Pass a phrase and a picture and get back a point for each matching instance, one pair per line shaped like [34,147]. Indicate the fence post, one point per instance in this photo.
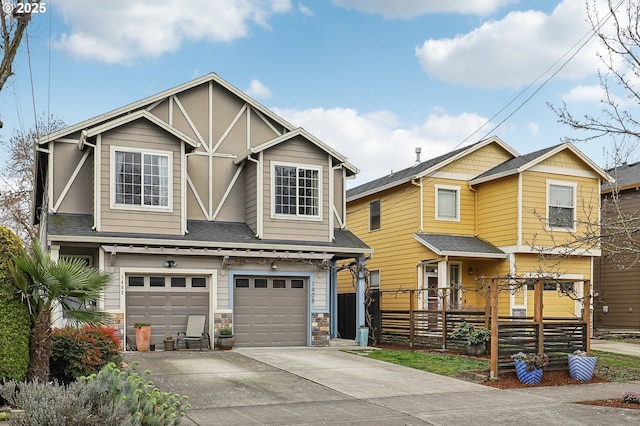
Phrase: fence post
[411,309]
[586,314]
[537,313]
[444,318]
[493,373]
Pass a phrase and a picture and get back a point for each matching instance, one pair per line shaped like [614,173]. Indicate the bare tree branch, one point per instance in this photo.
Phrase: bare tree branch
[17,177]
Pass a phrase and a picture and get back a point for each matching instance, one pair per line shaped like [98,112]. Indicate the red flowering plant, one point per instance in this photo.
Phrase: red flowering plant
[77,352]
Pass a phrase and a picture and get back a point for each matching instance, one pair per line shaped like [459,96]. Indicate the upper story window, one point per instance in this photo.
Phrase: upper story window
[561,202]
[447,202]
[296,191]
[374,215]
[141,178]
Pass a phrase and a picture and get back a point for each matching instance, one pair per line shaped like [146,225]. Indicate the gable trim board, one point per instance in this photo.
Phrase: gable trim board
[529,161]
[292,134]
[151,100]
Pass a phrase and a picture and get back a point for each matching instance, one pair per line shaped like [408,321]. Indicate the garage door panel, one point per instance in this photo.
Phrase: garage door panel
[270,317]
[167,311]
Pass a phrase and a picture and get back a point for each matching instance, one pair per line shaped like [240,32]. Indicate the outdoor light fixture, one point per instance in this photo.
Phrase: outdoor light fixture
[470,270]
[170,263]
[273,265]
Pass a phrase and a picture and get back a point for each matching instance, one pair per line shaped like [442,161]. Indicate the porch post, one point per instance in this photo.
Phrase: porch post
[360,262]
[333,300]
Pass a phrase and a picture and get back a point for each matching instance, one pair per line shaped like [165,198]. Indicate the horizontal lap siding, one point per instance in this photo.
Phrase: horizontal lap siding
[301,153]
[466,224]
[498,211]
[251,195]
[142,135]
[534,210]
[618,283]
[396,252]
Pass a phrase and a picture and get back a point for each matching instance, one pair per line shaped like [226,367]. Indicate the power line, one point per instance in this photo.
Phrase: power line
[581,43]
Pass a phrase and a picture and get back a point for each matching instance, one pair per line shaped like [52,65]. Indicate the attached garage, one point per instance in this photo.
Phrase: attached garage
[165,302]
[270,311]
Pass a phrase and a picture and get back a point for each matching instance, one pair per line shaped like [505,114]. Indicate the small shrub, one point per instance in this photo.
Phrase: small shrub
[146,403]
[110,397]
[631,397]
[52,404]
[77,352]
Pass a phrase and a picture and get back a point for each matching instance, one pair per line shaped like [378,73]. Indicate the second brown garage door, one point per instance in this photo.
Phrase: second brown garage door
[270,311]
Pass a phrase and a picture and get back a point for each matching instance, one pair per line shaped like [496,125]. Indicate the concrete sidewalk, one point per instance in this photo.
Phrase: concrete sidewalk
[615,347]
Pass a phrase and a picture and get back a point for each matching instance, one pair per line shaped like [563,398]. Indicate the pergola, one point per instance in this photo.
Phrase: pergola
[537,310]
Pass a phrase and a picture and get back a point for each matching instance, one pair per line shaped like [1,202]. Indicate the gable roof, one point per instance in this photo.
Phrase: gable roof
[625,176]
[459,245]
[290,135]
[148,101]
[422,169]
[519,164]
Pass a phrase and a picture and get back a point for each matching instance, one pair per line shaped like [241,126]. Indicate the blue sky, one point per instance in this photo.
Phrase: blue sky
[372,78]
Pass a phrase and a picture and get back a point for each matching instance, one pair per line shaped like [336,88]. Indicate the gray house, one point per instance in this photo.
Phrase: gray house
[201,200]
[616,279]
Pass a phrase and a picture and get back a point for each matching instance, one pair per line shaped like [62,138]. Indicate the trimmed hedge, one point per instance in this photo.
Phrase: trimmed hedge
[15,322]
[77,352]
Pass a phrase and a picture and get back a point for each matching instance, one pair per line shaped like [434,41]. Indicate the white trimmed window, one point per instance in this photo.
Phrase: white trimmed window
[296,190]
[561,205]
[447,202]
[141,179]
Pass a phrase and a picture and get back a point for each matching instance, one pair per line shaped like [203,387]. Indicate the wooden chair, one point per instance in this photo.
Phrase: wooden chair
[195,331]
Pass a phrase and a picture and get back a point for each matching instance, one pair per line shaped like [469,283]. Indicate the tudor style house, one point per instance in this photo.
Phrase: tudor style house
[480,211]
[616,288]
[199,200]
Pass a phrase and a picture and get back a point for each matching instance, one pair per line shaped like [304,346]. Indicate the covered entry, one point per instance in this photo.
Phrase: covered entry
[164,302]
[270,310]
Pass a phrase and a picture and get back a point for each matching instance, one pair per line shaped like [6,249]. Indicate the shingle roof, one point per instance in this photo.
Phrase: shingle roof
[403,175]
[625,176]
[200,232]
[459,245]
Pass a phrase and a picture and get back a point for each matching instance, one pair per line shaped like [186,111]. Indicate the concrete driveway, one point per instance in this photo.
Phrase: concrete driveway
[328,386]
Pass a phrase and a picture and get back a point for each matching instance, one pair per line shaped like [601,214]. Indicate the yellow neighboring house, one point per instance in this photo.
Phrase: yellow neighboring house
[480,211]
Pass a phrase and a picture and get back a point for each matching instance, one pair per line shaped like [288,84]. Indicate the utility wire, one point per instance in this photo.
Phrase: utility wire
[581,43]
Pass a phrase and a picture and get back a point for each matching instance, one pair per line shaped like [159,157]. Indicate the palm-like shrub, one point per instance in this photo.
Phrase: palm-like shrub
[42,283]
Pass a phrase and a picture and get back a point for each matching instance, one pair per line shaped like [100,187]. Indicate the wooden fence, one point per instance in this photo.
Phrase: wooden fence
[432,330]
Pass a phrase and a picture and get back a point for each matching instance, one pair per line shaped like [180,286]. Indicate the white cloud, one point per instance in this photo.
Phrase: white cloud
[258,90]
[374,142]
[533,128]
[305,10]
[409,9]
[584,94]
[120,31]
[513,51]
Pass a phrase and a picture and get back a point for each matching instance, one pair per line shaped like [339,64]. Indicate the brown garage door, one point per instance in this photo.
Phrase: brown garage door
[270,311]
[164,302]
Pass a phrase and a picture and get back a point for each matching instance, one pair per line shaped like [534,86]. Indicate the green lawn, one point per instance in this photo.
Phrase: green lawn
[443,364]
[615,367]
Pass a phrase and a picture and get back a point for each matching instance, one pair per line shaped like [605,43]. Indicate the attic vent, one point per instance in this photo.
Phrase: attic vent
[418,151]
